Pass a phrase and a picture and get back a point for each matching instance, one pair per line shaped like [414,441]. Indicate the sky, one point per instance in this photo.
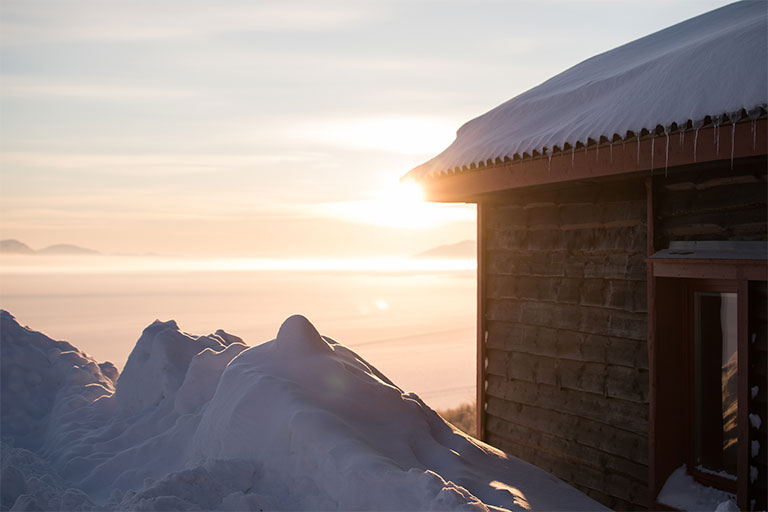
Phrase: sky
[267,129]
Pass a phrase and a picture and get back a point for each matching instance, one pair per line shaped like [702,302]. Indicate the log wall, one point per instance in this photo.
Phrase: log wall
[712,202]
[565,320]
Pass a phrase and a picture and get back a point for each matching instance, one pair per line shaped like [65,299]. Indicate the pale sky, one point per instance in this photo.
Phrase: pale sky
[265,128]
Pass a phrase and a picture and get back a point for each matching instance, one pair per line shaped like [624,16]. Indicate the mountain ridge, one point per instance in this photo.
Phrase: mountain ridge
[13,246]
[462,249]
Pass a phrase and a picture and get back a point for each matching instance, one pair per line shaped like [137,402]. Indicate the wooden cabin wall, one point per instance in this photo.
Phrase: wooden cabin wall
[566,381]
[712,202]
[720,201]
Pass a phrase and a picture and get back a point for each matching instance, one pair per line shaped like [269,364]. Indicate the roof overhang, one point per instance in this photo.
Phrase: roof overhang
[653,152]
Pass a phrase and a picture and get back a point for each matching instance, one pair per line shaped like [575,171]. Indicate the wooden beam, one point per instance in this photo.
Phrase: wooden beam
[480,425]
[655,153]
[753,270]
[652,386]
[742,418]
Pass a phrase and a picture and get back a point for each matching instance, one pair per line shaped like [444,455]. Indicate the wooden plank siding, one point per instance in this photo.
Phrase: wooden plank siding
[565,319]
[713,202]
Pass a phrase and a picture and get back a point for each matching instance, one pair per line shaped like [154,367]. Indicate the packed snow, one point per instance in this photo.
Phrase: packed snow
[209,423]
[710,65]
[682,492]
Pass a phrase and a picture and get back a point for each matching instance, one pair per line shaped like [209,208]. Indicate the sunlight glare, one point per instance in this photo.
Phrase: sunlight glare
[400,205]
[519,497]
[408,135]
[409,192]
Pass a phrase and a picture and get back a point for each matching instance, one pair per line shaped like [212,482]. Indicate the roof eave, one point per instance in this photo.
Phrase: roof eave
[655,152]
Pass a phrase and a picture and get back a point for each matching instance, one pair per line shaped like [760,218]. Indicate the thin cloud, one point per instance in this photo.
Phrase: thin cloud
[37,87]
[405,134]
[96,20]
[148,164]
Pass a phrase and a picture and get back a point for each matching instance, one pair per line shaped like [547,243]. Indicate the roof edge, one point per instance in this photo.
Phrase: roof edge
[652,152]
[760,111]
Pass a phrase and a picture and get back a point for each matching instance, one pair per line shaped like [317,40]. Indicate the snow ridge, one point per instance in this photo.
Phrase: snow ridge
[205,422]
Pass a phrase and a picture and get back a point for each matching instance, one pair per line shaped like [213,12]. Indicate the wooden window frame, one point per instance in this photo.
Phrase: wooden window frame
[676,274]
[739,287]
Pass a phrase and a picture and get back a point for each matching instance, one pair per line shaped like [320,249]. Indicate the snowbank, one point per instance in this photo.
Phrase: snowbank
[710,65]
[684,493]
[205,422]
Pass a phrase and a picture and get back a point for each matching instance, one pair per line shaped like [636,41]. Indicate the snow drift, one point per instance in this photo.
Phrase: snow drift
[205,422]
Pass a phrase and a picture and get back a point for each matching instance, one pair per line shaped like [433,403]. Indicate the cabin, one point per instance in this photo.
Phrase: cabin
[622,230]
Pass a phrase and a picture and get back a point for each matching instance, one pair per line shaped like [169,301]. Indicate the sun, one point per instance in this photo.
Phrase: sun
[405,192]
[400,205]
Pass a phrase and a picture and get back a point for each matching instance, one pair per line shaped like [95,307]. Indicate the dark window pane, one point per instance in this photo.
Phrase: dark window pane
[715,381]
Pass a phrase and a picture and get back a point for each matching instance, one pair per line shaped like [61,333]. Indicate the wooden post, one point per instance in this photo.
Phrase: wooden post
[742,465]
[652,389]
[480,425]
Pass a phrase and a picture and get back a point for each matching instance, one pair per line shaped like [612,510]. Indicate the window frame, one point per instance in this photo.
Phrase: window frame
[668,420]
[738,287]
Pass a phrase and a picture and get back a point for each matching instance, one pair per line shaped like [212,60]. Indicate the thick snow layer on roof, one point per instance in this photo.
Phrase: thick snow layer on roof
[207,423]
[710,65]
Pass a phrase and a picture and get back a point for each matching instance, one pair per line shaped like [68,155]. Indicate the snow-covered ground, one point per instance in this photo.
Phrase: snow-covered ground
[206,422]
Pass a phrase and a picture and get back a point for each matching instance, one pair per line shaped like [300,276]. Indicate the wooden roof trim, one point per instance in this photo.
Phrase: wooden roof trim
[752,270]
[621,155]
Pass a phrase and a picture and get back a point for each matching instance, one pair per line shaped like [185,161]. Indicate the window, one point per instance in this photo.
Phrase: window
[708,340]
[715,383]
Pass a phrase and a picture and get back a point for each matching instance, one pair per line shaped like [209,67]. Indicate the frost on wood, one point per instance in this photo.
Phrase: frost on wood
[712,65]
[206,422]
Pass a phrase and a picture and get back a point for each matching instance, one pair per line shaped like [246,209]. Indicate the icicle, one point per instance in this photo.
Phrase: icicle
[549,163]
[638,148]
[754,133]
[653,139]
[682,138]
[597,153]
[611,148]
[666,156]
[573,153]
[733,141]
[695,140]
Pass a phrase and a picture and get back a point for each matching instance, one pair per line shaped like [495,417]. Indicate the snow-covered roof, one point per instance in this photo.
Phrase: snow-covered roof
[711,67]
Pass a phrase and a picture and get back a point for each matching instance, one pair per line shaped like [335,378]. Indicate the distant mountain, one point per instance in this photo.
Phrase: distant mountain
[15,247]
[463,249]
[60,249]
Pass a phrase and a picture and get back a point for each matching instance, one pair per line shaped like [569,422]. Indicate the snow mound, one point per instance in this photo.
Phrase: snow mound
[42,380]
[712,65]
[205,422]
[684,493]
